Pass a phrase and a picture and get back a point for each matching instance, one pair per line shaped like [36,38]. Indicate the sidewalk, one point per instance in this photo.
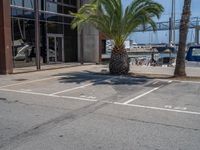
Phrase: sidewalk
[165,71]
[47,67]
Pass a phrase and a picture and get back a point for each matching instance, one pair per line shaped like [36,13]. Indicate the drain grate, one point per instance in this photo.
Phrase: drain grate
[20,79]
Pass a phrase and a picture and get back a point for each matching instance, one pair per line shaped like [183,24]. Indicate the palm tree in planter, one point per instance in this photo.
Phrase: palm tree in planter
[109,17]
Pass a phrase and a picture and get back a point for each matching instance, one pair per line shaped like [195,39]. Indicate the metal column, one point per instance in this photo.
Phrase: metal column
[197,34]
[170,31]
[81,40]
[172,25]
[37,34]
[197,28]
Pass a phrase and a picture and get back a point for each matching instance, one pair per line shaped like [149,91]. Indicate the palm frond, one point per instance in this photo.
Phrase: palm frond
[109,17]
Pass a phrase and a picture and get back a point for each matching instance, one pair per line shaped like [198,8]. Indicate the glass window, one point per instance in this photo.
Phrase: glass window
[23,42]
[70,2]
[55,28]
[55,18]
[29,3]
[67,20]
[70,44]
[67,10]
[17,2]
[55,1]
[53,7]
[17,12]
[196,52]
[29,14]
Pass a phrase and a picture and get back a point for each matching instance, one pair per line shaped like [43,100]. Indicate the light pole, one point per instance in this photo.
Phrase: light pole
[37,34]
[173,21]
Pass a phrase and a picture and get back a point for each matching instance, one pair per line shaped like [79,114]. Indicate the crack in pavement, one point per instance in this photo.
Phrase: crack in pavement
[67,118]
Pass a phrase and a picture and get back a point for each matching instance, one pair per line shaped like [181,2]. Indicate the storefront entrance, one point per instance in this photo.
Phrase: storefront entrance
[55,48]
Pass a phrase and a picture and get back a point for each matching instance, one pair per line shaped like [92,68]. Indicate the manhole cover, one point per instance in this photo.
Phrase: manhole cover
[20,79]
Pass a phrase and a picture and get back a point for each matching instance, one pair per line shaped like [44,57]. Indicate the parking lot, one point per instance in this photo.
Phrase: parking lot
[84,110]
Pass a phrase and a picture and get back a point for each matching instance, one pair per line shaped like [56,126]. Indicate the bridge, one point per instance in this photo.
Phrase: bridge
[161,26]
[167,25]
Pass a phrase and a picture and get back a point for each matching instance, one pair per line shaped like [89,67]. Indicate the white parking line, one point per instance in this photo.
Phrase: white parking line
[26,92]
[116,103]
[155,82]
[158,108]
[49,95]
[72,89]
[79,98]
[80,87]
[27,82]
[196,82]
[142,95]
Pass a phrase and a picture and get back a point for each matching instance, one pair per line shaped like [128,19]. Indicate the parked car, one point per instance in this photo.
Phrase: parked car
[193,56]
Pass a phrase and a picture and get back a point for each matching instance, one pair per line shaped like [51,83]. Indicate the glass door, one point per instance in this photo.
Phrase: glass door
[59,49]
[51,51]
[55,48]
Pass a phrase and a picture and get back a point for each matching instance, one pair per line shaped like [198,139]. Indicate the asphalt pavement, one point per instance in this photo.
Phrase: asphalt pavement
[80,109]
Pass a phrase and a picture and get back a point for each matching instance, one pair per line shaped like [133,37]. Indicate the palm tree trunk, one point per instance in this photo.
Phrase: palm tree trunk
[119,62]
[180,61]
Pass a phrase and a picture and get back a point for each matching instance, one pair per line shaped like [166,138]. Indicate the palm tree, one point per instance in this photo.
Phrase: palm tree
[180,61]
[109,17]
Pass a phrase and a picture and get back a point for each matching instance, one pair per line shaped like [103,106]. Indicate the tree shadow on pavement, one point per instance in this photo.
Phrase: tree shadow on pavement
[97,78]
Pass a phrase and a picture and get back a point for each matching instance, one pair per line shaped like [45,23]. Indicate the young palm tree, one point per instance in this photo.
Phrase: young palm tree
[109,17]
[180,61]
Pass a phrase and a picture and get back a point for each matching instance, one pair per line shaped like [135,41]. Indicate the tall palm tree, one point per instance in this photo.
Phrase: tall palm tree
[109,17]
[180,61]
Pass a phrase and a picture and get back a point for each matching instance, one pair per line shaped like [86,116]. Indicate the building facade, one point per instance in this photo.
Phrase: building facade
[58,43]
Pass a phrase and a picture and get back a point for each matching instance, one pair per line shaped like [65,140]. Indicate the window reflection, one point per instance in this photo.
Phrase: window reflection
[23,42]
[29,3]
[52,21]
[23,3]
[54,7]
[17,2]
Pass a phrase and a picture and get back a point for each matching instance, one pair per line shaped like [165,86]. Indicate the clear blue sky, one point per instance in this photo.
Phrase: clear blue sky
[162,36]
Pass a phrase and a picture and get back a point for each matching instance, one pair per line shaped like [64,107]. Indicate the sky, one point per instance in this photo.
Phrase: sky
[162,36]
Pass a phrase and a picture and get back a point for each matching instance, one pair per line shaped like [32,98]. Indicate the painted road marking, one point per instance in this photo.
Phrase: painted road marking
[196,82]
[72,89]
[178,107]
[116,103]
[90,97]
[80,87]
[49,95]
[168,106]
[158,108]
[170,81]
[155,82]
[27,82]
[142,95]
[79,98]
